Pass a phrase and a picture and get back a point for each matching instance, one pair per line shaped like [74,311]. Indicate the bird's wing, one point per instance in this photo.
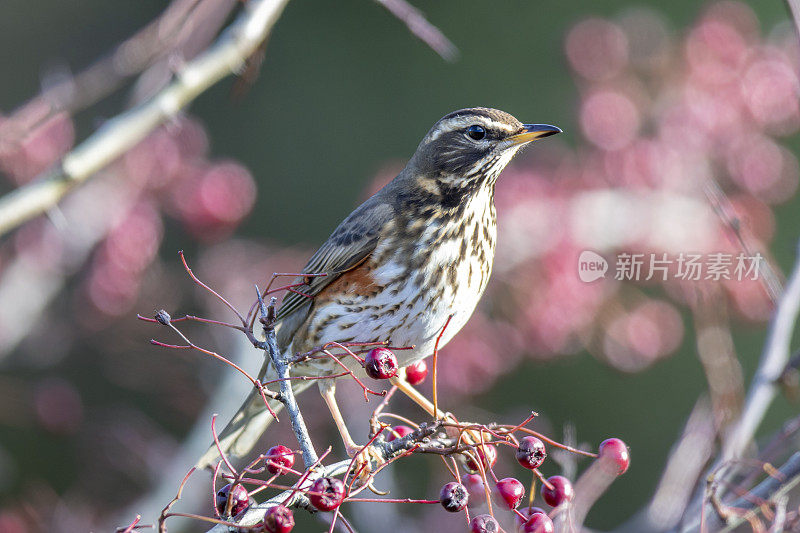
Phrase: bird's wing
[350,244]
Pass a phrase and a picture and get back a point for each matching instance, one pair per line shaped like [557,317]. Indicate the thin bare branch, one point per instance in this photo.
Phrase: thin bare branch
[281,365]
[115,137]
[794,9]
[772,490]
[422,28]
[773,361]
[74,93]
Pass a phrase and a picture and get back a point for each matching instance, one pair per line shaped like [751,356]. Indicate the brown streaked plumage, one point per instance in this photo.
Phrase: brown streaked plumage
[418,251]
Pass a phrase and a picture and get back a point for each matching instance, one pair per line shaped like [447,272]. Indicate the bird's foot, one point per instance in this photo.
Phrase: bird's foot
[366,460]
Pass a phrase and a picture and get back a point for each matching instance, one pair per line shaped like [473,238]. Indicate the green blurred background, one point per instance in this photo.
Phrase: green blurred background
[343,90]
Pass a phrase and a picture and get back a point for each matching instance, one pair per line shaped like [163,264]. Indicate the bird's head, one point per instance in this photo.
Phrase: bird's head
[468,148]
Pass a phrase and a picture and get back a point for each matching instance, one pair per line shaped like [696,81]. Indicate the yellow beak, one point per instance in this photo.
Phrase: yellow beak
[531,132]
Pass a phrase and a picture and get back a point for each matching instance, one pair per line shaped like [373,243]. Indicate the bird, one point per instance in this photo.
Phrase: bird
[415,255]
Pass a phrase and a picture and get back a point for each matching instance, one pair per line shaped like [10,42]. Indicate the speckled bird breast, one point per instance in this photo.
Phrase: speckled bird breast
[423,270]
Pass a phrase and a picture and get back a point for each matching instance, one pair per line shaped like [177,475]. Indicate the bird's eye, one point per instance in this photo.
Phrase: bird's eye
[476,132]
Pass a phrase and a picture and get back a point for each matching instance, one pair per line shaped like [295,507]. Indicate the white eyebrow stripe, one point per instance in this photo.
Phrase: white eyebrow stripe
[457,123]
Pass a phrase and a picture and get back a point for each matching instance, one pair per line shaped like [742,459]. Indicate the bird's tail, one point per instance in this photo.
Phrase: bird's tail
[247,425]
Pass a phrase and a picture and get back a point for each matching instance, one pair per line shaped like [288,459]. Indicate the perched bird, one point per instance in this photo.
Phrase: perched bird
[418,251]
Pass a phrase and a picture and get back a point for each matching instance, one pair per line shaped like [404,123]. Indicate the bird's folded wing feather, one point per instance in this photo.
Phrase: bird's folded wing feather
[350,244]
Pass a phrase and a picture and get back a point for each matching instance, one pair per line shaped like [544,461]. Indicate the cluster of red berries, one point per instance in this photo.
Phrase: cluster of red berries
[509,492]
[233,499]
[381,363]
[327,493]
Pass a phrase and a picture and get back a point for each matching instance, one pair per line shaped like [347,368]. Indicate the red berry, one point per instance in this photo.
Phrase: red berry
[509,492]
[380,363]
[560,493]
[484,523]
[278,519]
[454,497]
[475,488]
[526,512]
[538,522]
[327,493]
[531,452]
[277,457]
[416,373]
[487,454]
[616,452]
[398,432]
[240,499]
